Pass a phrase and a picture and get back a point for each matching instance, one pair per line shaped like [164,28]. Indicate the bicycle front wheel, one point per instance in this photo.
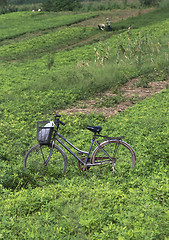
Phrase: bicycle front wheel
[115,154]
[35,160]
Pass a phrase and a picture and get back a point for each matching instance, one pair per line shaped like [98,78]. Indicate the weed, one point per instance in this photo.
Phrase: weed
[101,54]
[109,101]
[50,62]
[144,83]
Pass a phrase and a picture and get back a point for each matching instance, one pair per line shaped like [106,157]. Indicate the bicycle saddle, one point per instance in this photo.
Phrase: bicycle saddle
[96,129]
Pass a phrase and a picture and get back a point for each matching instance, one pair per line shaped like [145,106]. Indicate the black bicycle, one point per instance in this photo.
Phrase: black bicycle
[110,152]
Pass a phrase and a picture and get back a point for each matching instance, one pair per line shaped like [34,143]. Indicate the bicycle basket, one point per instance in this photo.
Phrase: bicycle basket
[44,132]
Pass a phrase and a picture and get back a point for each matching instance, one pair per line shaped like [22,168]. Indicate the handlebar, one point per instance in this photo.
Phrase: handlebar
[57,116]
[62,123]
[57,121]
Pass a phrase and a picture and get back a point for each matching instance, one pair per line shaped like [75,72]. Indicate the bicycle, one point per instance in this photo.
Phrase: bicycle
[112,151]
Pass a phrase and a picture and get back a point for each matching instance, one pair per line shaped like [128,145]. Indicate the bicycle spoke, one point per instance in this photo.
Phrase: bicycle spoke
[122,156]
[35,161]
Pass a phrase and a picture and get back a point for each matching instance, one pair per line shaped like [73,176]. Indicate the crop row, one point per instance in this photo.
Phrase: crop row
[30,71]
[46,43]
[15,24]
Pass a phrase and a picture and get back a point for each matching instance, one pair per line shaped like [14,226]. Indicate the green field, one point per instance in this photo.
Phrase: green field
[48,62]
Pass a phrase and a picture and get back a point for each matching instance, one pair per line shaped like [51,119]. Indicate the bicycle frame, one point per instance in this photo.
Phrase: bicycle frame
[80,151]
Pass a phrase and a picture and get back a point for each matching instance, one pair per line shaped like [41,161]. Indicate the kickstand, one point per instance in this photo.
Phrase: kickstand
[113,167]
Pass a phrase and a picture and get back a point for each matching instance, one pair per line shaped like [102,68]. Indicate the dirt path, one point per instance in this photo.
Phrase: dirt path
[130,92]
[114,16]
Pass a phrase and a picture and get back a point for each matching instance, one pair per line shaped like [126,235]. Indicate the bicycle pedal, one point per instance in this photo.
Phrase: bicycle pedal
[85,167]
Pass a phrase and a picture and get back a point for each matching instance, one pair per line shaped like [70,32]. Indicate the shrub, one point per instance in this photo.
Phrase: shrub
[65,5]
[149,2]
[3,3]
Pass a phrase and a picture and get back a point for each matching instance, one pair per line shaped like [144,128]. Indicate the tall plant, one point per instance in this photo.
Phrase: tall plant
[149,2]
[3,3]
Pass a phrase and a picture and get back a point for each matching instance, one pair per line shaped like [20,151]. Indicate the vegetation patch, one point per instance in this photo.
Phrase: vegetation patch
[78,205]
[15,24]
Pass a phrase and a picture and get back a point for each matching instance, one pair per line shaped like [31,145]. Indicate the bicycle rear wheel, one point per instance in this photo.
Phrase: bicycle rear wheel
[35,160]
[122,156]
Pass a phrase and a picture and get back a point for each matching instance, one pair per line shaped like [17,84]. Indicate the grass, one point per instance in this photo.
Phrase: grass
[16,24]
[65,205]
[57,40]
[78,205]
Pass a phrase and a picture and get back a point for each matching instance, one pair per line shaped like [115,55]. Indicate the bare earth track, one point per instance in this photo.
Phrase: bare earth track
[129,91]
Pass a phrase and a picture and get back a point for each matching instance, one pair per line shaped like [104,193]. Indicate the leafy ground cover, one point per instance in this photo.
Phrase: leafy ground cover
[127,205]
[59,62]
[51,42]
[15,24]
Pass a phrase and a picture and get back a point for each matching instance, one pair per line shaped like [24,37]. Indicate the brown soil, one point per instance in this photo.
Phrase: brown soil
[114,16]
[129,91]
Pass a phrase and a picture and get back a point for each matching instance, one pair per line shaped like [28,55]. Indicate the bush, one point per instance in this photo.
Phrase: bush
[164,4]
[8,9]
[3,3]
[149,2]
[65,5]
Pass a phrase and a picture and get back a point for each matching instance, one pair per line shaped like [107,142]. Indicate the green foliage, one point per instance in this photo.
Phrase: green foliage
[107,5]
[6,8]
[164,4]
[66,206]
[78,205]
[109,101]
[152,18]
[47,42]
[3,3]
[139,48]
[17,24]
[18,2]
[149,2]
[58,212]
[64,5]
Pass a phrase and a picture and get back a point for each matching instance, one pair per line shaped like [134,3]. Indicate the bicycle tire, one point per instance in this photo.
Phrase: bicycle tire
[122,156]
[34,161]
